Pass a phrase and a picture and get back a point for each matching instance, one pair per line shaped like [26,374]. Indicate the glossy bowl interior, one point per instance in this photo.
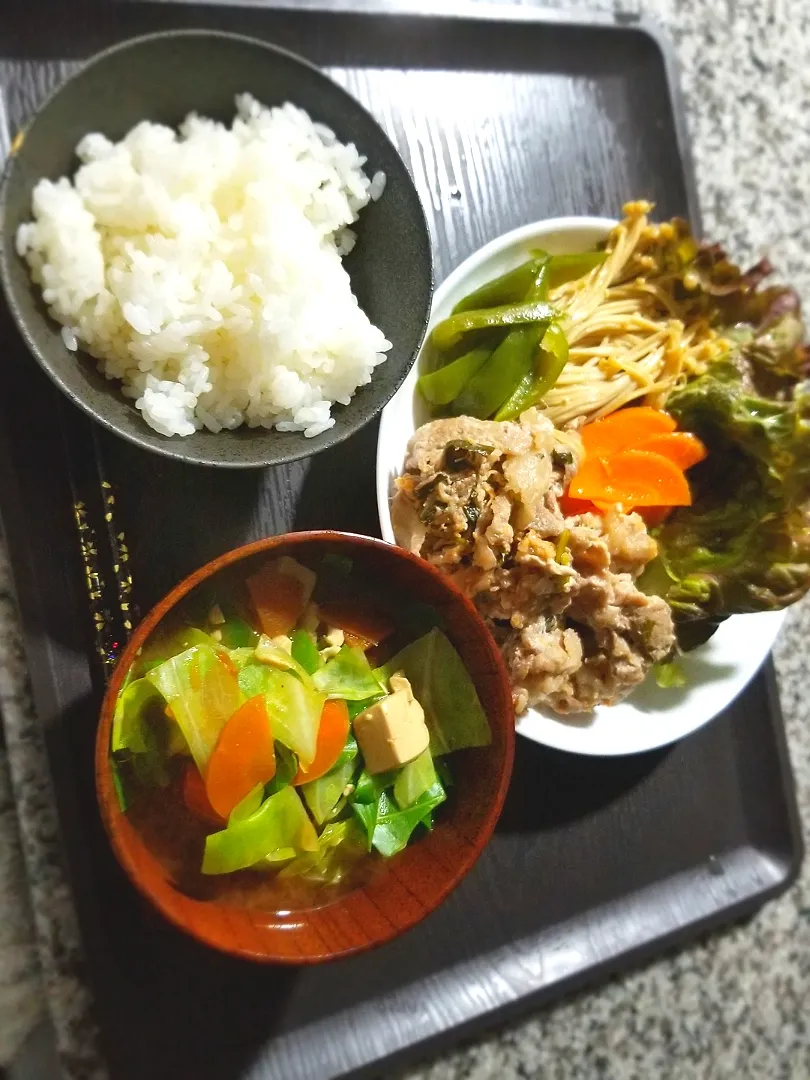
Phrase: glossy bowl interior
[715,673]
[162,78]
[407,887]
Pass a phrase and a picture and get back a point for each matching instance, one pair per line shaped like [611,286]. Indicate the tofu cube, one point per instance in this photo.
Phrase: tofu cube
[392,732]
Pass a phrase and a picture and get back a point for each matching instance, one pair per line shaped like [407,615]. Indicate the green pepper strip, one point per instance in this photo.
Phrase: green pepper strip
[449,331]
[441,386]
[504,370]
[305,651]
[509,363]
[506,289]
[570,267]
[551,358]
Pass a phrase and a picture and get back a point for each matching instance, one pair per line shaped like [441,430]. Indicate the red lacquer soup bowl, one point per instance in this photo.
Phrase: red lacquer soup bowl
[257,922]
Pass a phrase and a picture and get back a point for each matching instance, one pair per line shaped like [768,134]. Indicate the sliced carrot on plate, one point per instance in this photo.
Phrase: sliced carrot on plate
[571,506]
[654,515]
[243,756]
[632,478]
[624,430]
[332,734]
[278,600]
[681,447]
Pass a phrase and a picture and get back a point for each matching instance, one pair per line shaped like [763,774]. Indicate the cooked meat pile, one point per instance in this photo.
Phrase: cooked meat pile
[480,500]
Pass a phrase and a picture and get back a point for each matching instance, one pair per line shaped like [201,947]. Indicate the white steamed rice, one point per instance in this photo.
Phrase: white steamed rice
[204,269]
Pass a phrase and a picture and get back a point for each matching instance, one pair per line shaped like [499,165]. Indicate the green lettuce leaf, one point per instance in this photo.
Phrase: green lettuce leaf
[368,788]
[744,544]
[357,707]
[324,796]
[293,705]
[130,727]
[443,687]
[279,830]
[242,656]
[203,694]
[414,779]
[347,676]
[387,828]
[118,786]
[339,846]
[164,648]
[669,675]
[286,768]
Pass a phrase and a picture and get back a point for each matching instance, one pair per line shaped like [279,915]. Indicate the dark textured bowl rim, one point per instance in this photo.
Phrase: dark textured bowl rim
[173,447]
[110,814]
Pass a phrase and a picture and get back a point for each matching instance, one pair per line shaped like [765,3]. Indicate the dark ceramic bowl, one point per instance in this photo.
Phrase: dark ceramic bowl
[405,888]
[162,78]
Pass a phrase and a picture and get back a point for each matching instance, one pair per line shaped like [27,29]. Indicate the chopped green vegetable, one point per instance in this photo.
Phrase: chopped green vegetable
[549,361]
[388,829]
[338,846]
[347,676]
[294,705]
[461,454]
[248,806]
[325,795]
[270,652]
[511,362]
[570,267]
[252,679]
[510,287]
[442,386]
[277,831]
[305,651]
[368,788]
[447,333]
[669,675]
[130,729]
[242,656]
[443,687]
[357,707]
[286,768]
[118,786]
[237,634]
[202,693]
[154,655]
[496,380]
[414,779]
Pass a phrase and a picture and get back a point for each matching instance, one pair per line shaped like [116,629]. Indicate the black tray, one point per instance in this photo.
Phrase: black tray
[505,116]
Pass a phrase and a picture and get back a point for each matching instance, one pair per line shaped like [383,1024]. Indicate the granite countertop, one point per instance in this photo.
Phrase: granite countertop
[729,1006]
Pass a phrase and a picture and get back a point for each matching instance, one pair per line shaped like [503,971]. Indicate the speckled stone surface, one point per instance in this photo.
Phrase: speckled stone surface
[732,1006]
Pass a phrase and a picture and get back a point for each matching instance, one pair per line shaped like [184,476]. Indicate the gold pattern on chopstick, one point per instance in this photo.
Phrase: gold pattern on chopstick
[105,645]
[123,576]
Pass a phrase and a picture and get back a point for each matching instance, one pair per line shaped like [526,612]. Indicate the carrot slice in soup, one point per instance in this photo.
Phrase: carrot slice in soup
[278,600]
[243,757]
[196,797]
[624,430]
[632,478]
[681,447]
[363,623]
[332,734]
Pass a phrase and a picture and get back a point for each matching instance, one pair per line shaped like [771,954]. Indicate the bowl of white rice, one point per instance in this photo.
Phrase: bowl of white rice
[214,250]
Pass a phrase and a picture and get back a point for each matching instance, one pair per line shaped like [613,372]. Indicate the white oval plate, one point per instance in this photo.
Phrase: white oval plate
[716,672]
